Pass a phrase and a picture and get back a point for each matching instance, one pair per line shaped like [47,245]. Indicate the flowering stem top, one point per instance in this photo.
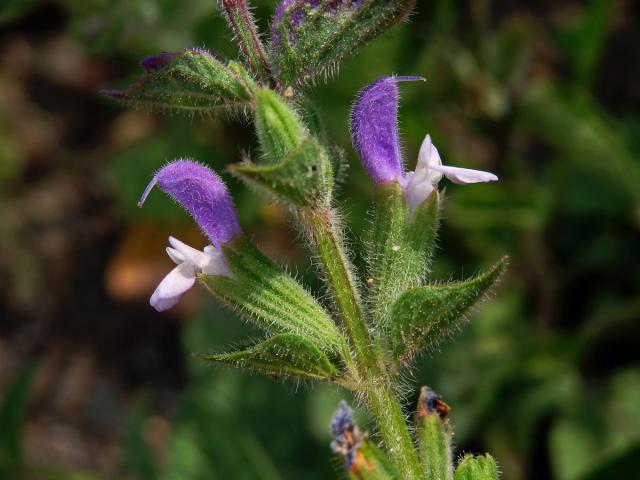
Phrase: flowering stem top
[369,334]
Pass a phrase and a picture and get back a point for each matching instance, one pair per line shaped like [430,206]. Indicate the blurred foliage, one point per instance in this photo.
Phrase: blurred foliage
[547,375]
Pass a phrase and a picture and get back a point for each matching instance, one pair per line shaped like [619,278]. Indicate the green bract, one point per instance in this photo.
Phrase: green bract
[423,316]
[311,38]
[192,81]
[286,354]
[267,296]
[303,177]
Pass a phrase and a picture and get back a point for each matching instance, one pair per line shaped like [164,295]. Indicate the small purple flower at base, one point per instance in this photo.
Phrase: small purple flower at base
[374,128]
[203,194]
[346,435]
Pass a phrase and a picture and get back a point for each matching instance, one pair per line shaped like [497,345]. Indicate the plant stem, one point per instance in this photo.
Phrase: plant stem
[373,380]
[343,286]
[244,28]
[385,407]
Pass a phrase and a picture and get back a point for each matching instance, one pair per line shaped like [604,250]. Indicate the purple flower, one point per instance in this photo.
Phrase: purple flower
[374,128]
[203,194]
[346,435]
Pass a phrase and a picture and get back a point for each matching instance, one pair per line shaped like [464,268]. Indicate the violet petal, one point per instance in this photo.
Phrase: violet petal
[374,129]
[203,194]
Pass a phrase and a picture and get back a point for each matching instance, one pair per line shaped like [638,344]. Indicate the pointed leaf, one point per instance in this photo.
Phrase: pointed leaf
[303,178]
[285,354]
[271,299]
[193,81]
[423,316]
[482,467]
[311,37]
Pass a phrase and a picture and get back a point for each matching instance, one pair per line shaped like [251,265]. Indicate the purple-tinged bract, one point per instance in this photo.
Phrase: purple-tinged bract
[203,194]
[158,61]
[298,10]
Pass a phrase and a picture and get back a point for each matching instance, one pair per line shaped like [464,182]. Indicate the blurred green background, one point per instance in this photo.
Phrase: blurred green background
[94,384]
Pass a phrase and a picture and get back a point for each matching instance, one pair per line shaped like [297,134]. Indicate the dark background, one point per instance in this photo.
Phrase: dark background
[94,384]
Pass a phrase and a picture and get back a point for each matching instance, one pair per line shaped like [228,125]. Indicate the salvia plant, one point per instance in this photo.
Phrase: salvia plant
[366,335]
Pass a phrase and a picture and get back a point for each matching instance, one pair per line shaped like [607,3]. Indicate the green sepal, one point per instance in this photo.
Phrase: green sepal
[434,436]
[423,316]
[303,178]
[370,463]
[285,354]
[401,247]
[274,301]
[278,126]
[310,40]
[191,81]
[482,467]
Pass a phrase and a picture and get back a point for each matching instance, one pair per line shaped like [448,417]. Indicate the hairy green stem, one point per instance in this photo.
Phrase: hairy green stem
[374,381]
[339,276]
[244,28]
[387,412]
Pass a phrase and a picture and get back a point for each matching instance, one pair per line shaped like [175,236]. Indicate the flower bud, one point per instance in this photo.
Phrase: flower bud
[279,128]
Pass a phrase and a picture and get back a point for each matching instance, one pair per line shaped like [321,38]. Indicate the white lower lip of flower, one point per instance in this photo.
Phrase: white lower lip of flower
[418,185]
[190,262]
[463,176]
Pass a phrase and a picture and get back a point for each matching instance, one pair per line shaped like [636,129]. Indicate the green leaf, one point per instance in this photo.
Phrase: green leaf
[482,467]
[424,315]
[192,81]
[286,354]
[309,39]
[273,300]
[303,178]
[401,247]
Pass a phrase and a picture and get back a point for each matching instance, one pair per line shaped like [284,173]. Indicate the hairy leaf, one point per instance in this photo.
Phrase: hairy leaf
[270,298]
[423,316]
[286,354]
[310,37]
[303,178]
[192,81]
